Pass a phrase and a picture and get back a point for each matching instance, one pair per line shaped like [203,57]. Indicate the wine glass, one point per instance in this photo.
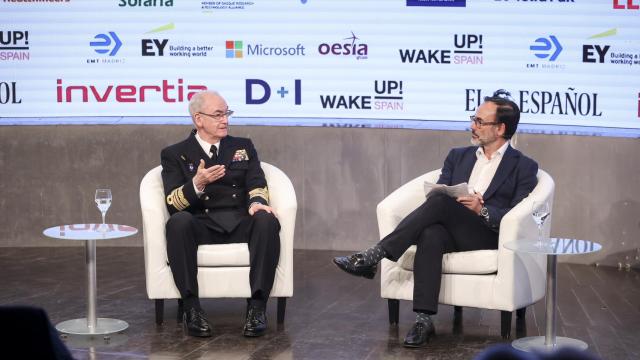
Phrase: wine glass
[103,201]
[540,212]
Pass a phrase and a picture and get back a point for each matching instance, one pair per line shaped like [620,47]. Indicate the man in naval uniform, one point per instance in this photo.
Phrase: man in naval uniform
[216,193]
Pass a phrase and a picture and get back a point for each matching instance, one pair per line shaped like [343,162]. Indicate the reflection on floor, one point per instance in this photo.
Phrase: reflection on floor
[331,315]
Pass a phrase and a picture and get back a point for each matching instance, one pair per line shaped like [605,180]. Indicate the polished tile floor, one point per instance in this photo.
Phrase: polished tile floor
[331,315]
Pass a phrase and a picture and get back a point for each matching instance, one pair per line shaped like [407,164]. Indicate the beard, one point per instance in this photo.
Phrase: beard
[474,142]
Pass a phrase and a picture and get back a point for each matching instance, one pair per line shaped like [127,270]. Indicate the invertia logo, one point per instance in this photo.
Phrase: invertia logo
[626,4]
[358,50]
[169,93]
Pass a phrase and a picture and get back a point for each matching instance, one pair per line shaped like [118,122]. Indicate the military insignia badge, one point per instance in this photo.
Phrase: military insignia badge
[240,155]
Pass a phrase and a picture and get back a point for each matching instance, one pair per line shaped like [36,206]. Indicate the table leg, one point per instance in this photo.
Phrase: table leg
[550,313]
[549,341]
[91,325]
[92,288]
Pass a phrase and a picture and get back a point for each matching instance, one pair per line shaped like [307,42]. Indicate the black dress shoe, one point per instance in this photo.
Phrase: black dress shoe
[256,322]
[419,334]
[195,323]
[355,265]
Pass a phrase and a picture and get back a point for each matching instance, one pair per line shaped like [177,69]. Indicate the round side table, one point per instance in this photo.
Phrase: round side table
[90,233]
[552,248]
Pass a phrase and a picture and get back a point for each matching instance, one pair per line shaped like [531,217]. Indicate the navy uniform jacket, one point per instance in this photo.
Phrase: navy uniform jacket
[225,201]
[515,178]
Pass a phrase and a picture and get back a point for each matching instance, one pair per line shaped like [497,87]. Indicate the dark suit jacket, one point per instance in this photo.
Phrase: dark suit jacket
[225,201]
[515,178]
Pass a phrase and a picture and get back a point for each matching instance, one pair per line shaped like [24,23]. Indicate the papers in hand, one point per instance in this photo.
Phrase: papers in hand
[454,191]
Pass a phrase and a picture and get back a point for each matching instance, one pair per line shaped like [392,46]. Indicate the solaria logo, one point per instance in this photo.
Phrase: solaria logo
[233,49]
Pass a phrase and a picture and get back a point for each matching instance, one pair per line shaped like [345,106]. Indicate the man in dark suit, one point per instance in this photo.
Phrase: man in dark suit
[500,177]
[216,193]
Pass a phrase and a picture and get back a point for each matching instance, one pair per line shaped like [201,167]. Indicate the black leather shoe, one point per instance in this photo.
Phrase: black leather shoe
[419,334]
[195,323]
[354,265]
[256,323]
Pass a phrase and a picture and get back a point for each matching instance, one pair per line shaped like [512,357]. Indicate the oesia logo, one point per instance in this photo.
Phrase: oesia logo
[358,50]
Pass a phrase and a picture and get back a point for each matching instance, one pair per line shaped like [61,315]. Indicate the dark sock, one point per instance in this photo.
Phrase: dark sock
[423,317]
[374,254]
[191,302]
[259,303]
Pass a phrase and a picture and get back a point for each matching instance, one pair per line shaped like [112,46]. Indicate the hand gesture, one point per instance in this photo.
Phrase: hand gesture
[205,176]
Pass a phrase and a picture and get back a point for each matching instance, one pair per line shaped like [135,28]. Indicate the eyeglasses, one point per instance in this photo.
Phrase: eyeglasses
[480,123]
[219,116]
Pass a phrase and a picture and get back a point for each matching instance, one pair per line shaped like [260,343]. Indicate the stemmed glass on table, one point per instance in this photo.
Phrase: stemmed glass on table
[103,201]
[540,213]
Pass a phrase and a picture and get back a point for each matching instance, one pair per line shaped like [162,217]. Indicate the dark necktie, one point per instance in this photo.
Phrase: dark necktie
[214,151]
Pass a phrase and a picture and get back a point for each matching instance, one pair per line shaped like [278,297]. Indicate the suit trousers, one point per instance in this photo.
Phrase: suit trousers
[440,225]
[185,232]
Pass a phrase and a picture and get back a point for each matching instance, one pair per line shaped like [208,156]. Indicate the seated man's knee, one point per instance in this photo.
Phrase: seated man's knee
[179,220]
[265,220]
[439,199]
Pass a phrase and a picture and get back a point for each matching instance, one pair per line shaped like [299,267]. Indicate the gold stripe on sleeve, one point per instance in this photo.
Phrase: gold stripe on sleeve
[260,192]
[177,199]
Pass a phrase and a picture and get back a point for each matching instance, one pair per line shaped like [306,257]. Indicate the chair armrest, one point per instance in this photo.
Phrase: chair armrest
[154,218]
[282,197]
[397,205]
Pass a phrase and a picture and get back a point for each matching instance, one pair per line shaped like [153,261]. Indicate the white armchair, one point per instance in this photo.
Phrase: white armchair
[489,279]
[223,270]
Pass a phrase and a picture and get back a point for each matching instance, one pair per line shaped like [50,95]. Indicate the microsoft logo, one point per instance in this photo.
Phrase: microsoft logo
[233,49]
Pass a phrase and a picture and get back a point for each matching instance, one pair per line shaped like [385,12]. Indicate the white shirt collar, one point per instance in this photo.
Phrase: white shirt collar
[498,153]
[206,146]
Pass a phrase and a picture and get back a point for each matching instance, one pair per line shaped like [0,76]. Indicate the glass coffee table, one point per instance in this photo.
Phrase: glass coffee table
[90,233]
[551,248]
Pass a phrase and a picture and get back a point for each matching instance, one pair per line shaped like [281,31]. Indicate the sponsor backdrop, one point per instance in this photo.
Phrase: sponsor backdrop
[320,63]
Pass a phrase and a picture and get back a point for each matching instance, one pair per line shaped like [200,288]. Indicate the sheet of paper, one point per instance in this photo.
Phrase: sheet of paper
[453,191]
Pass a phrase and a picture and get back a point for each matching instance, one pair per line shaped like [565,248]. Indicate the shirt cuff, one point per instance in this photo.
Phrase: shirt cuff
[198,192]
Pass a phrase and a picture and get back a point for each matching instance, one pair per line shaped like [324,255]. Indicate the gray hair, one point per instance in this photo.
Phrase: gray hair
[197,100]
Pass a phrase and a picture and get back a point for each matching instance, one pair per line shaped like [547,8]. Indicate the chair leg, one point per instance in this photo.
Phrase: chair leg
[457,320]
[394,311]
[159,311]
[505,324]
[180,311]
[282,307]
[521,323]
